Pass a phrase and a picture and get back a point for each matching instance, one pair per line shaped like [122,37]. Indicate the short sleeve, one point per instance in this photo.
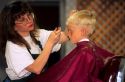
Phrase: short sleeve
[18,58]
[44,34]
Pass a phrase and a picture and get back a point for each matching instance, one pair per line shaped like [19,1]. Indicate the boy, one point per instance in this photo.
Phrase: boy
[83,63]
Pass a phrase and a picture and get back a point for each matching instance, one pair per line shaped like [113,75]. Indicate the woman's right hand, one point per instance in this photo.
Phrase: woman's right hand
[54,37]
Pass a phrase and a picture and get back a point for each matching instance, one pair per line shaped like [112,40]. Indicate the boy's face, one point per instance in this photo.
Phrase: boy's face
[74,32]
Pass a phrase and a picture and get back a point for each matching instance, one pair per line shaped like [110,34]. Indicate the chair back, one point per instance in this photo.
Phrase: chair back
[114,70]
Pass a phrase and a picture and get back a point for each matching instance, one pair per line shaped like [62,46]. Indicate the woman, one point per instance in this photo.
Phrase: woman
[21,42]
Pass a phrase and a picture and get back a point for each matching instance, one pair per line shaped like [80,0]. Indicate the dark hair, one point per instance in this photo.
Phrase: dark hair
[8,16]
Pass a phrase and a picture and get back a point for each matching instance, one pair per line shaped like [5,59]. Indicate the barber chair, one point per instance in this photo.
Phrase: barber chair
[114,70]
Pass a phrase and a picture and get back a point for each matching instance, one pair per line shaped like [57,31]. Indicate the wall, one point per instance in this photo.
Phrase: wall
[110,26]
[66,6]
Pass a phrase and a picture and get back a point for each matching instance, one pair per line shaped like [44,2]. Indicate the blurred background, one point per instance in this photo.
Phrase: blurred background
[110,28]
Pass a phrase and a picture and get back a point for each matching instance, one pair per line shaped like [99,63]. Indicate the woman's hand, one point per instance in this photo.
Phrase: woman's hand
[63,37]
[54,36]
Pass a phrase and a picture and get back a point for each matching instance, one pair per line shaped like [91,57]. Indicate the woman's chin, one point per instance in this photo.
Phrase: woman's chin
[31,28]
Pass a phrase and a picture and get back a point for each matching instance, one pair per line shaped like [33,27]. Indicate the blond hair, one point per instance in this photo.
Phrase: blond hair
[83,17]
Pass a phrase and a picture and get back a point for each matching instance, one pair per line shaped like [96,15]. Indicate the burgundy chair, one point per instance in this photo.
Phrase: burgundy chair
[114,70]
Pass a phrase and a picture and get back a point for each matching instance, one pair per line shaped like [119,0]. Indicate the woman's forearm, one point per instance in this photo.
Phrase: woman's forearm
[39,63]
[37,66]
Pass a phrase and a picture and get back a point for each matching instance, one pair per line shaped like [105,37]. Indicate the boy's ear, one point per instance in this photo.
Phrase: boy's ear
[84,31]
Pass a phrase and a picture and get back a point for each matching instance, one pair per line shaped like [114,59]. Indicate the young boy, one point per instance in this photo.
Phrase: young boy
[83,63]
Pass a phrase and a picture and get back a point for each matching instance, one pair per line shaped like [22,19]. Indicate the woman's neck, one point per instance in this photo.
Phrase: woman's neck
[24,34]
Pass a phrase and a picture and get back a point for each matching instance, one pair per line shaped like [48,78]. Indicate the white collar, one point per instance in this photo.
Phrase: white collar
[84,39]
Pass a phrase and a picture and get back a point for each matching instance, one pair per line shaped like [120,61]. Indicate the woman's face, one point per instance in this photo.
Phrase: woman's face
[24,24]
[74,33]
